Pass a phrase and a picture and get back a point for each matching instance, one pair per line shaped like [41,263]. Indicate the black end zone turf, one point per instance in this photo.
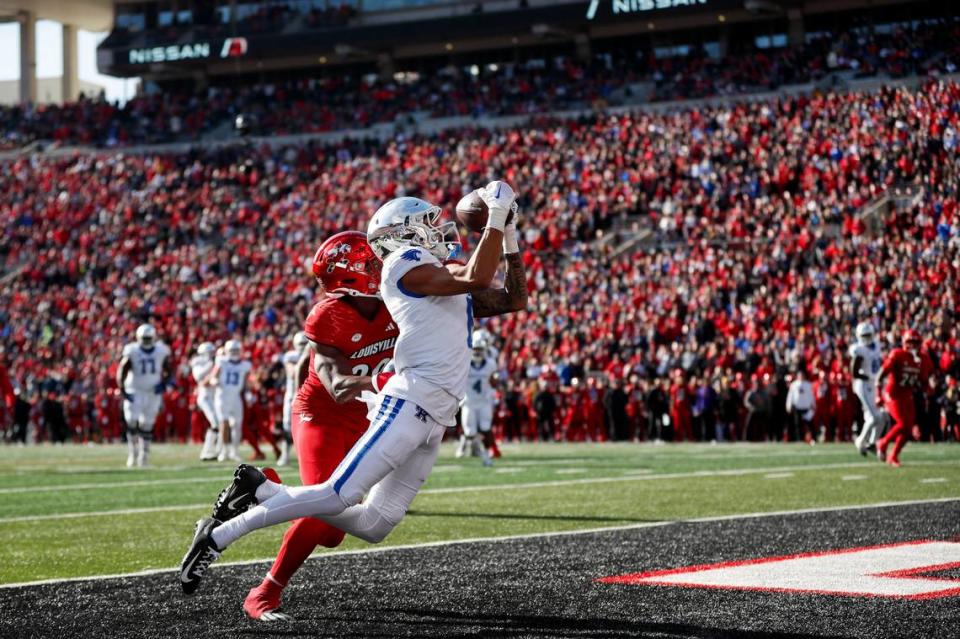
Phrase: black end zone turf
[539,587]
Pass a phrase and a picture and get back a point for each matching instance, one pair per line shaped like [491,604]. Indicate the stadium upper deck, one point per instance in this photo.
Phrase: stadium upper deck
[198,41]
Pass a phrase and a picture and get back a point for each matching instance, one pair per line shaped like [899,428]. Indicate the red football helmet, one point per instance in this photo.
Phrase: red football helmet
[911,338]
[346,265]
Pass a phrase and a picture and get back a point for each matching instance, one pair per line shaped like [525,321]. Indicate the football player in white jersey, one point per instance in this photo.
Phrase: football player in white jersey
[866,361]
[292,368]
[201,365]
[476,410]
[144,373]
[230,374]
[433,304]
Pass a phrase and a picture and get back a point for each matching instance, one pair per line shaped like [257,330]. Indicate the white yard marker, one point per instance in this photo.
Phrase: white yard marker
[777,475]
[571,471]
[853,477]
[892,570]
[933,480]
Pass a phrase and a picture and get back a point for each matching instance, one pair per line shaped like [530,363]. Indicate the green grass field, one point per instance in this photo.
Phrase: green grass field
[77,511]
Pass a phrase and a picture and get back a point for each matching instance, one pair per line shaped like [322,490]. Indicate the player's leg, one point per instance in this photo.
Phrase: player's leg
[908,415]
[235,410]
[150,408]
[285,437]
[319,451]
[484,418]
[130,411]
[212,432]
[388,500]
[469,431]
[898,426]
[393,435]
[868,402]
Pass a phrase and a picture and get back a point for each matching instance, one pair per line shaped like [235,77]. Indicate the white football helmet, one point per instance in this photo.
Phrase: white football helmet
[409,221]
[865,333]
[300,341]
[480,345]
[206,349]
[146,336]
[234,349]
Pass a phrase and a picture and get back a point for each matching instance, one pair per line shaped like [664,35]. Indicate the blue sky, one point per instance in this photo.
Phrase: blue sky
[50,57]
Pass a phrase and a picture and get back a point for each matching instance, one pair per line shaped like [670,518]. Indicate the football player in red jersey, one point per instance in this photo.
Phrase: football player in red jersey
[351,338]
[909,371]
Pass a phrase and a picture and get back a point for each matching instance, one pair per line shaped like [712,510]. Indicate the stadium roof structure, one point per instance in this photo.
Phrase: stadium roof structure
[90,15]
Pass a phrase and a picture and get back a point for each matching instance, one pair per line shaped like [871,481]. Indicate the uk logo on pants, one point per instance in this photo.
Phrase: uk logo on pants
[905,570]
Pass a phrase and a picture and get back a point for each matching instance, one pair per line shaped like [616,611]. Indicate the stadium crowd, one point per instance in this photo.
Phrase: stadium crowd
[338,101]
[756,269]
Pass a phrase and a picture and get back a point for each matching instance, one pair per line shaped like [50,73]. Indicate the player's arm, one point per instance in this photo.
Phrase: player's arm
[122,371]
[213,376]
[856,370]
[336,374]
[509,299]
[477,274]
[303,367]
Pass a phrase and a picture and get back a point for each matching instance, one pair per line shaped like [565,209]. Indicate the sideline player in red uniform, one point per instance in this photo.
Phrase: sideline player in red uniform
[351,338]
[909,372]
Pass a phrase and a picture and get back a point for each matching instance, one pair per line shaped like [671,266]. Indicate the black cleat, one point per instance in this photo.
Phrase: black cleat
[239,496]
[201,554]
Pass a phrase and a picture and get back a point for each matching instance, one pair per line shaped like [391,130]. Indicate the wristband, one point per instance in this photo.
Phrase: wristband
[510,240]
[380,380]
[497,218]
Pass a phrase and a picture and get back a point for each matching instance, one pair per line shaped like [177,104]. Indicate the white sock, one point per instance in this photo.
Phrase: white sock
[286,505]
[132,443]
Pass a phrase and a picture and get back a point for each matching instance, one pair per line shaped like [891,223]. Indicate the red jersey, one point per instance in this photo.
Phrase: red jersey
[368,344]
[909,372]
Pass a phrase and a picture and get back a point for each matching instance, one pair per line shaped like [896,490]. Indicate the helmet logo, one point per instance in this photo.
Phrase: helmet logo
[356,337]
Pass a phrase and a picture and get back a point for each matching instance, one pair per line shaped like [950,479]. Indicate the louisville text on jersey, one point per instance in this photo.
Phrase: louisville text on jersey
[373,349]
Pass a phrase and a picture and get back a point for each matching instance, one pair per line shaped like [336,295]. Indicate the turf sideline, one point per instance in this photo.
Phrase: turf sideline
[476,540]
[559,483]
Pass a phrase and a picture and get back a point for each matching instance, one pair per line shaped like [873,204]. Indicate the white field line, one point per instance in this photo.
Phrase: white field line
[933,480]
[559,483]
[503,538]
[115,484]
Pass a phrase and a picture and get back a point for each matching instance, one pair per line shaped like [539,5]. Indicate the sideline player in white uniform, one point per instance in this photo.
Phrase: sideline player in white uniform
[201,365]
[864,367]
[143,375]
[230,376]
[433,305]
[292,363]
[476,410]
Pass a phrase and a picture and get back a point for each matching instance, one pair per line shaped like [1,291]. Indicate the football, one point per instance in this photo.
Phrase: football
[472,212]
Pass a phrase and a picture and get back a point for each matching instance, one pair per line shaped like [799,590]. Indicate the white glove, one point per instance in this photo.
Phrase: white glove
[370,399]
[498,196]
[510,244]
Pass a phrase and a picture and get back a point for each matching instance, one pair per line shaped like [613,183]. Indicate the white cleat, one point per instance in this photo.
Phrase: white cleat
[131,460]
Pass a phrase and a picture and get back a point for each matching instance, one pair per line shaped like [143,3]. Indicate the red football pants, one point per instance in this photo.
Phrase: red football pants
[320,449]
[903,414]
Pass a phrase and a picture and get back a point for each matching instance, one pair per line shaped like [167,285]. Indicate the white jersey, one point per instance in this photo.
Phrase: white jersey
[872,361]
[232,378]
[200,367]
[432,353]
[290,357]
[146,367]
[479,388]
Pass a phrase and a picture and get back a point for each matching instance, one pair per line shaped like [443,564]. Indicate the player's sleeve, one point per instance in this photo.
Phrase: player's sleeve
[323,322]
[402,262]
[128,350]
